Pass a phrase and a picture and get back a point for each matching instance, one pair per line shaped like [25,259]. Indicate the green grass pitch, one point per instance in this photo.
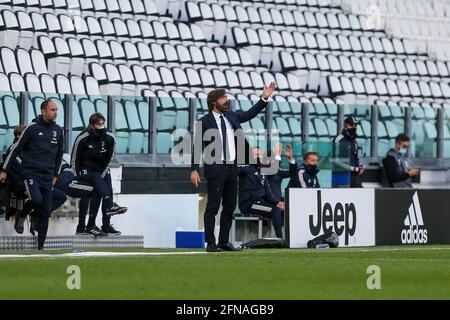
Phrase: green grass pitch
[409,272]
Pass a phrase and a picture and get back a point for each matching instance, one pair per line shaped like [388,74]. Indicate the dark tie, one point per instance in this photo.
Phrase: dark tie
[224,137]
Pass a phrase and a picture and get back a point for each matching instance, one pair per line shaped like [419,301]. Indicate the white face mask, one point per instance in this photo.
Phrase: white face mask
[404,151]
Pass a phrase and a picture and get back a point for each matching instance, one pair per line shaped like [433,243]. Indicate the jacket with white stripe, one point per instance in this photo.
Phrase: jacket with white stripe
[345,153]
[303,178]
[92,153]
[41,147]
[15,171]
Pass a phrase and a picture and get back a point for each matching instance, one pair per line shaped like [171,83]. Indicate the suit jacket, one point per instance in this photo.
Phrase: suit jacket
[208,122]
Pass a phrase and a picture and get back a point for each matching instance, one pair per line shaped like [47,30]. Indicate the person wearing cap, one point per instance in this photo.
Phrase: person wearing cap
[345,151]
[220,134]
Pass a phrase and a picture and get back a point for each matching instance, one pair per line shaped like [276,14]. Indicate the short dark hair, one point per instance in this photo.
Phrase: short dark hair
[96,118]
[308,154]
[402,138]
[213,96]
[45,104]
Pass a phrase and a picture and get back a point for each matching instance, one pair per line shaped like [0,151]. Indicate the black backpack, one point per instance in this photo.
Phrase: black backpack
[266,244]
[330,238]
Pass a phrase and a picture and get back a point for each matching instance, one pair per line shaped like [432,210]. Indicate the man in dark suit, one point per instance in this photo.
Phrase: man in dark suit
[221,135]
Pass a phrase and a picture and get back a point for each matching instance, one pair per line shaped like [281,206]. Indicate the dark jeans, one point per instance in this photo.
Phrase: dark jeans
[221,188]
[266,209]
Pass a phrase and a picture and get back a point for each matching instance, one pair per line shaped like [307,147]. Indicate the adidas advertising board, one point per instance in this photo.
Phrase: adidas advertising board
[412,217]
[348,212]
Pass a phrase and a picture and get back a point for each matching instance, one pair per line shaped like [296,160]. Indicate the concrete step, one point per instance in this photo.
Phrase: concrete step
[71,242]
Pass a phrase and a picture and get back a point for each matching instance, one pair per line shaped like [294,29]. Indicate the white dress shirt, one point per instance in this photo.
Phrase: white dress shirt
[230,136]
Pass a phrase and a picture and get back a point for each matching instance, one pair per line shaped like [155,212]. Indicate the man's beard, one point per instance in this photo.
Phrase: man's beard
[223,107]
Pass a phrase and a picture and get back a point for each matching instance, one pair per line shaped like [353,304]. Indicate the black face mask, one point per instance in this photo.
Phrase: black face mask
[351,132]
[311,168]
[100,132]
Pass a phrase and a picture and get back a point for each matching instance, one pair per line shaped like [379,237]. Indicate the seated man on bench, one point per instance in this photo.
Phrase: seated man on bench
[256,196]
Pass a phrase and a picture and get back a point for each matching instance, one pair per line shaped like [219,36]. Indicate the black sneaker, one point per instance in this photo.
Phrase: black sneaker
[94,230]
[81,230]
[20,220]
[116,209]
[212,247]
[111,231]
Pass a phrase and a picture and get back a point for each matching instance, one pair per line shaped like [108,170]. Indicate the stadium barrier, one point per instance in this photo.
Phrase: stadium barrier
[368,217]
[145,125]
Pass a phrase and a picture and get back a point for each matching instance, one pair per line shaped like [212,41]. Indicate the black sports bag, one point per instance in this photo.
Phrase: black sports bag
[330,238]
[266,244]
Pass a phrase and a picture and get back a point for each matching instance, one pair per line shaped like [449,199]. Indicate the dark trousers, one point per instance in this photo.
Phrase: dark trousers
[58,199]
[81,186]
[93,201]
[266,209]
[355,180]
[221,188]
[17,188]
[40,194]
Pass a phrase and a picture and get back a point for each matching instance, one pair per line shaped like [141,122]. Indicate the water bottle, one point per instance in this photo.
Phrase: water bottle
[323,246]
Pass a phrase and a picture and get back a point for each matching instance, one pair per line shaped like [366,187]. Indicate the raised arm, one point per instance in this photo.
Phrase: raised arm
[259,106]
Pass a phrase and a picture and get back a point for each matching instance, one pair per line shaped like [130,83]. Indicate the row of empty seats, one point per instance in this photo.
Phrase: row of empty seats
[124,80]
[394,67]
[50,85]
[322,41]
[425,22]
[388,87]
[72,55]
[129,7]
[261,15]
[21,28]
[415,8]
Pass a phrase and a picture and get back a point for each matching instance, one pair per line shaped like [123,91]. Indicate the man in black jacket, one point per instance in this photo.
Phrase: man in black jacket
[305,176]
[220,132]
[345,151]
[256,196]
[41,148]
[93,152]
[16,183]
[397,169]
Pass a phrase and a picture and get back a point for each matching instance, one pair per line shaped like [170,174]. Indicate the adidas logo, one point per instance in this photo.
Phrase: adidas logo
[40,134]
[414,231]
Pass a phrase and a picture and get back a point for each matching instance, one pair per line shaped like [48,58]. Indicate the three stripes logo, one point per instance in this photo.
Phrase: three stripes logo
[414,231]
